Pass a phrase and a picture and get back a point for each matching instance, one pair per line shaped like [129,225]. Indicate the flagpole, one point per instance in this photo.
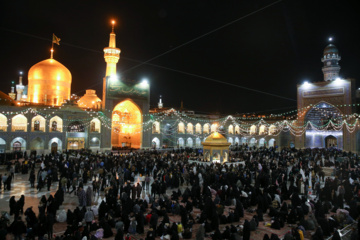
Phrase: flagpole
[52,47]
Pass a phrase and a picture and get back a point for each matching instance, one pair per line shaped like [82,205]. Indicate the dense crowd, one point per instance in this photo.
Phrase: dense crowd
[277,188]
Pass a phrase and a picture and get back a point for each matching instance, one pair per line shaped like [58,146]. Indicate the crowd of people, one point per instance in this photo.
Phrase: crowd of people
[152,194]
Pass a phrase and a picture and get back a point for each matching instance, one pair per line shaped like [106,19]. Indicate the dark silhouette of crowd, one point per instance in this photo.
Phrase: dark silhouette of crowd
[154,194]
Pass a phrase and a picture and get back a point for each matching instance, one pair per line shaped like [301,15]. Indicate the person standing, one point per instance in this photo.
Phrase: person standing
[19,229]
[138,190]
[4,178]
[89,217]
[32,178]
[48,182]
[50,220]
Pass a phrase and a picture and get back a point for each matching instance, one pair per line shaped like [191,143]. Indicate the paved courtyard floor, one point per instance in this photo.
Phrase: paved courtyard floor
[21,186]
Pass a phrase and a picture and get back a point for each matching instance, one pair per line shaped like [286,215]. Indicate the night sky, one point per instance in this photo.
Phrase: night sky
[272,50]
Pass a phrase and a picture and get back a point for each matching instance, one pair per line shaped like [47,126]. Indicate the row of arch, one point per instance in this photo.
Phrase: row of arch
[190,129]
[189,142]
[55,144]
[207,128]
[19,123]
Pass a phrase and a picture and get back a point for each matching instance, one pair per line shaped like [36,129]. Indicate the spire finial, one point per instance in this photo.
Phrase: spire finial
[51,53]
[113,24]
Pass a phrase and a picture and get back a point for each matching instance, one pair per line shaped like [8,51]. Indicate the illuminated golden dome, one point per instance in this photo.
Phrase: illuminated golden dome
[216,137]
[49,83]
[89,100]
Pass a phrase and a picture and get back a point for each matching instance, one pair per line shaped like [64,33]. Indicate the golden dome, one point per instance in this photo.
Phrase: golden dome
[49,83]
[216,137]
[89,100]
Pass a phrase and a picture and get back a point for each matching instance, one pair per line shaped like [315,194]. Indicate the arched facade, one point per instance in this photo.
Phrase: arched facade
[3,123]
[237,129]
[180,143]
[272,142]
[320,115]
[272,129]
[94,142]
[190,128]
[181,128]
[231,129]
[2,145]
[214,127]
[206,128]
[197,142]
[262,142]
[262,130]
[237,141]
[155,142]
[19,123]
[56,124]
[253,130]
[156,127]
[126,125]
[231,141]
[189,142]
[95,126]
[198,128]
[55,145]
[76,126]
[252,142]
[18,144]
[38,124]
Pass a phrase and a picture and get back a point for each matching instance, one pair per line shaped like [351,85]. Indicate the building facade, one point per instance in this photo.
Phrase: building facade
[43,117]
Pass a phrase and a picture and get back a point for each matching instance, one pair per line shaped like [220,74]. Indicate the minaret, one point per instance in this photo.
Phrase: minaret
[12,94]
[331,60]
[160,104]
[111,54]
[19,88]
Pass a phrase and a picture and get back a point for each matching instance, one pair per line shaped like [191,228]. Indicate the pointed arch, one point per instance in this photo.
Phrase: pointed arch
[213,127]
[155,143]
[253,129]
[262,130]
[189,142]
[56,124]
[190,128]
[181,128]
[231,129]
[206,129]
[95,125]
[126,125]
[3,123]
[156,127]
[180,143]
[237,129]
[272,129]
[198,128]
[18,144]
[197,142]
[19,123]
[38,124]
[55,145]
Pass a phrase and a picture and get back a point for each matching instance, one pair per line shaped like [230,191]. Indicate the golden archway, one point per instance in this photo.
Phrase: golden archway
[126,125]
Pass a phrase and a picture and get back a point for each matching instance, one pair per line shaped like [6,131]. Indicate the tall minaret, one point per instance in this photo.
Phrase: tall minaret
[111,54]
[331,60]
[19,88]
[160,104]
[12,94]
